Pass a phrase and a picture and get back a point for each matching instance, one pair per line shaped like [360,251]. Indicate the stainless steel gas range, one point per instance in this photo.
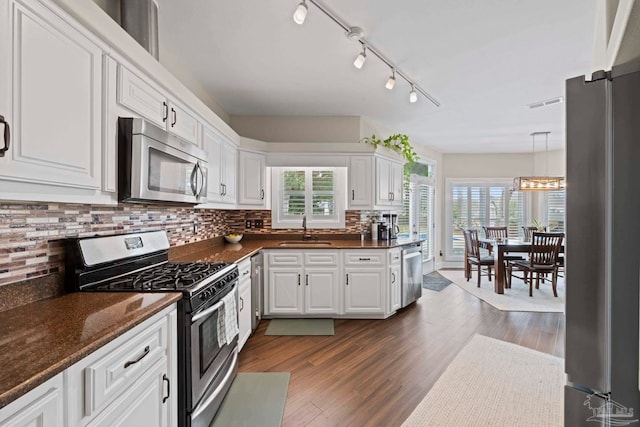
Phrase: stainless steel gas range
[207,315]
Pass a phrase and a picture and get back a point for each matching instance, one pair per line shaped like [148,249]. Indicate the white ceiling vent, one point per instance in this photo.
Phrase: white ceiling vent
[551,101]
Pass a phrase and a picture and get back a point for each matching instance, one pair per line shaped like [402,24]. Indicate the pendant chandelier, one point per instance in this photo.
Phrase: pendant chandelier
[539,183]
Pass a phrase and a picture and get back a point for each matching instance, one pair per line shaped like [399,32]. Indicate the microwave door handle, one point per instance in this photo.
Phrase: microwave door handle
[194,180]
[201,180]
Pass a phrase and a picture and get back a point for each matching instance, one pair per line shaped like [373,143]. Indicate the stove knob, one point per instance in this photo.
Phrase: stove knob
[203,296]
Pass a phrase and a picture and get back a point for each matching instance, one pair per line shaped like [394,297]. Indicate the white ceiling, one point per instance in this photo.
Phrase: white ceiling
[484,61]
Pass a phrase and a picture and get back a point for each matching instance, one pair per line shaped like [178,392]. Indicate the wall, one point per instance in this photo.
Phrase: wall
[32,234]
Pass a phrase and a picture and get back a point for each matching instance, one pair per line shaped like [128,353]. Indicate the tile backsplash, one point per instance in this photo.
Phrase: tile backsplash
[32,234]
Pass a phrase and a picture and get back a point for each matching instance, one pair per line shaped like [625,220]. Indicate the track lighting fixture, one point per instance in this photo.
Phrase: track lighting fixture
[362,56]
[300,13]
[413,96]
[391,81]
[357,33]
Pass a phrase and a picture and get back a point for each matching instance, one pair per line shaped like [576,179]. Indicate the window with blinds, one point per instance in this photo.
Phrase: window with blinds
[474,205]
[556,211]
[317,193]
[293,193]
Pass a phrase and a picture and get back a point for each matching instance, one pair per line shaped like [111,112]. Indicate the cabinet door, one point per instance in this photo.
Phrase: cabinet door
[42,406]
[212,145]
[183,123]
[395,289]
[229,172]
[142,98]
[146,403]
[285,294]
[360,182]
[363,291]
[321,290]
[51,94]
[251,178]
[383,182]
[397,183]
[244,312]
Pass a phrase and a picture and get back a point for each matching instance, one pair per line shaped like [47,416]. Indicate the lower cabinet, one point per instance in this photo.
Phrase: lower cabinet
[129,382]
[395,271]
[364,291]
[43,406]
[302,282]
[244,303]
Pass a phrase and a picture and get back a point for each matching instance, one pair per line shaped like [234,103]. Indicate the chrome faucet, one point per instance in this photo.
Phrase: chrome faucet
[305,236]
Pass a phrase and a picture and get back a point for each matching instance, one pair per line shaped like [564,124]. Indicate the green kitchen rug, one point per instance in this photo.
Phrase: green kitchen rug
[254,399]
[435,281]
[300,327]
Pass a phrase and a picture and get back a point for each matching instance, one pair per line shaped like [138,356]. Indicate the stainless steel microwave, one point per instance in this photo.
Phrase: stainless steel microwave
[155,166]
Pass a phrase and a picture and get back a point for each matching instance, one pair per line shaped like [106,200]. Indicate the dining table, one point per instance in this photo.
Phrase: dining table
[499,249]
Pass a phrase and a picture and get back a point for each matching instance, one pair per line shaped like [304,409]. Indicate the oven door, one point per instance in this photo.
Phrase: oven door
[207,356]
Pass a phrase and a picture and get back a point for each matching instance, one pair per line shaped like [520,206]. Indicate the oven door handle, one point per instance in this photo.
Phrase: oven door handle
[211,309]
[202,406]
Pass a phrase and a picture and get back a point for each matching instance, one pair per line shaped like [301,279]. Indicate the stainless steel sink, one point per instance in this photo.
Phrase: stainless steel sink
[303,243]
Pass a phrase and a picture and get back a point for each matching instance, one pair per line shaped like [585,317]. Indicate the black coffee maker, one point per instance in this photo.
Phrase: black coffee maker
[383,231]
[392,225]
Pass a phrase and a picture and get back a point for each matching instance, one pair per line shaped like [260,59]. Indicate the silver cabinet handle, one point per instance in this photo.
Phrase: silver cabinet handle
[353,194]
[241,304]
[175,117]
[261,194]
[165,111]
[347,279]
[393,277]
[7,136]
[142,356]
[298,279]
[306,279]
[364,259]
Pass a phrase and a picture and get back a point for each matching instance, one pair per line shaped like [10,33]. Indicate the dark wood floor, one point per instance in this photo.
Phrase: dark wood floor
[375,372]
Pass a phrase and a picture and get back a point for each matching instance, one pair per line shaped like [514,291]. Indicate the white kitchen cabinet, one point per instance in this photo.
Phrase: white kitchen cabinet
[51,81]
[360,182]
[43,406]
[389,182]
[222,157]
[130,381]
[365,284]
[151,102]
[395,290]
[244,302]
[302,282]
[251,179]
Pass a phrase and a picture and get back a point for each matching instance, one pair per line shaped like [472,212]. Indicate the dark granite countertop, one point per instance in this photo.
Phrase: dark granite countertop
[217,250]
[43,338]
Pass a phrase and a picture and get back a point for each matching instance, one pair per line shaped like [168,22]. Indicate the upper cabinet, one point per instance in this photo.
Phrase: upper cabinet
[156,106]
[375,182]
[222,167]
[51,96]
[389,182]
[251,179]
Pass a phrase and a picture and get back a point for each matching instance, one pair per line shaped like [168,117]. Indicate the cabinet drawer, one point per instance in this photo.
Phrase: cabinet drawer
[322,257]
[106,378]
[284,258]
[362,259]
[244,270]
[141,98]
[394,256]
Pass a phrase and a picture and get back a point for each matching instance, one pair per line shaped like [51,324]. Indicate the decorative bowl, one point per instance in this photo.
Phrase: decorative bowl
[233,238]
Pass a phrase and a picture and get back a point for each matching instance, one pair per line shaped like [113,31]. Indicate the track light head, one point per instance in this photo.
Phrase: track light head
[362,56]
[300,13]
[391,81]
[413,96]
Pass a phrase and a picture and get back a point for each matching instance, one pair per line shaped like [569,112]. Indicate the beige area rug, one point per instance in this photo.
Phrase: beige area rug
[494,383]
[515,299]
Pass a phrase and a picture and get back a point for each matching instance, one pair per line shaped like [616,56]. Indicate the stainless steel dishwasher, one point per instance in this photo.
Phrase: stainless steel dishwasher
[257,283]
[411,273]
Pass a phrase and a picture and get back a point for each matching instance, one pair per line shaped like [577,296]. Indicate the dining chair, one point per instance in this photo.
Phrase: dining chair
[500,234]
[528,231]
[472,250]
[543,260]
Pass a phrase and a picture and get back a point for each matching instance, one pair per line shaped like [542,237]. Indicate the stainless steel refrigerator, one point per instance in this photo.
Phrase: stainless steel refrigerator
[603,249]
